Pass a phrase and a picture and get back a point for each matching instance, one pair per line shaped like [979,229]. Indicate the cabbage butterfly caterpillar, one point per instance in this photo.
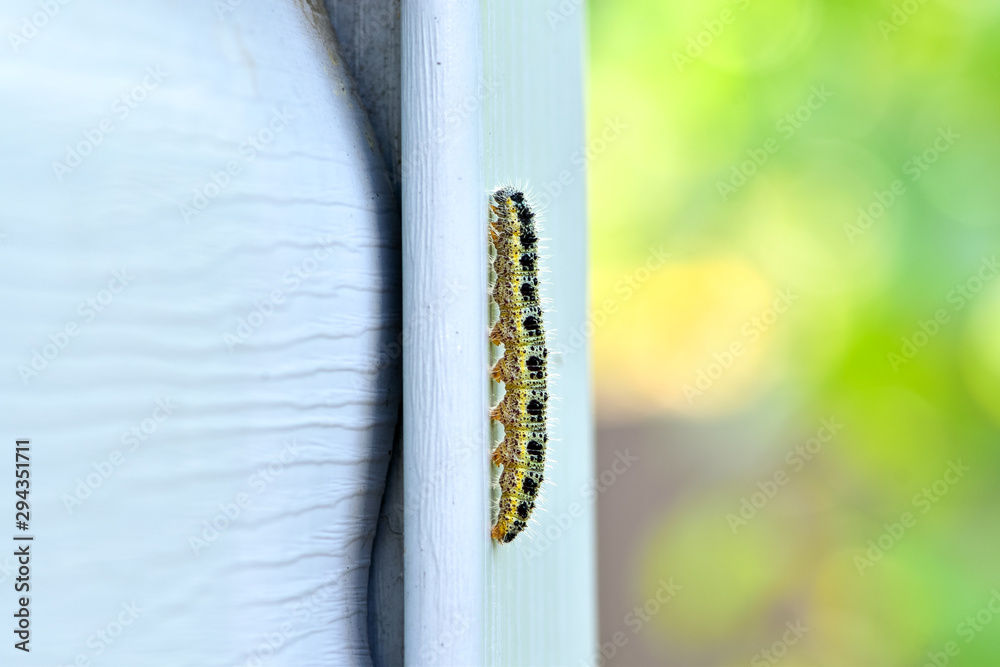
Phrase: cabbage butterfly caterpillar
[523,368]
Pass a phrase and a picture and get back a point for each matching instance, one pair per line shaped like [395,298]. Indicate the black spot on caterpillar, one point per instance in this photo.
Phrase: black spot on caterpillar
[523,368]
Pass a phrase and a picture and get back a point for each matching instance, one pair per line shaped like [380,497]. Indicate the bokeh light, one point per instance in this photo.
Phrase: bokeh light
[822,179]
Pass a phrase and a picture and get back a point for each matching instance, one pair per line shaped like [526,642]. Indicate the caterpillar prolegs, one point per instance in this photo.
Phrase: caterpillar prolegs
[523,368]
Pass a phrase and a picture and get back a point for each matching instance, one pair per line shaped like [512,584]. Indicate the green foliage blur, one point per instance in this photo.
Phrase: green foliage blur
[825,177]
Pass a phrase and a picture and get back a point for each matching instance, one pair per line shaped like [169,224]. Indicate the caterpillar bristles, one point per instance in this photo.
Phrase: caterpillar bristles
[523,367]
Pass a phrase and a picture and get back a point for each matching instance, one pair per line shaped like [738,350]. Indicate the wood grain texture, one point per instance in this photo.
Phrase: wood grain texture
[541,590]
[445,399]
[532,602]
[296,247]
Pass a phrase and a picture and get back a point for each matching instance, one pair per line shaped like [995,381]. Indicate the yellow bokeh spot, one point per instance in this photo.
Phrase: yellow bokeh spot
[727,581]
[880,617]
[692,338]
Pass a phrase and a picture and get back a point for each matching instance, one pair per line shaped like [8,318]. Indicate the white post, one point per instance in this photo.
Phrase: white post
[445,318]
[541,595]
[518,74]
[199,301]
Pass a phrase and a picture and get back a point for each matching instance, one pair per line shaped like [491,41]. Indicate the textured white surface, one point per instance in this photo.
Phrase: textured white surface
[445,372]
[542,588]
[469,601]
[308,394]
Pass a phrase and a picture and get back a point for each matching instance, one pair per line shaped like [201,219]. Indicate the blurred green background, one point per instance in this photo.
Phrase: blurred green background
[798,409]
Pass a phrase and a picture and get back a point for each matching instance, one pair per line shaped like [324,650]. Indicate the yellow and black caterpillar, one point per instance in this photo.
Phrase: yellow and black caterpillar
[523,368]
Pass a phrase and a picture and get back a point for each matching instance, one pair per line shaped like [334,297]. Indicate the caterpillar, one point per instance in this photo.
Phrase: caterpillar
[523,368]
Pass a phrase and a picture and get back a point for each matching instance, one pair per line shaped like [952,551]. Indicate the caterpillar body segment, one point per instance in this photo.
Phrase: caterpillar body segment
[523,368]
